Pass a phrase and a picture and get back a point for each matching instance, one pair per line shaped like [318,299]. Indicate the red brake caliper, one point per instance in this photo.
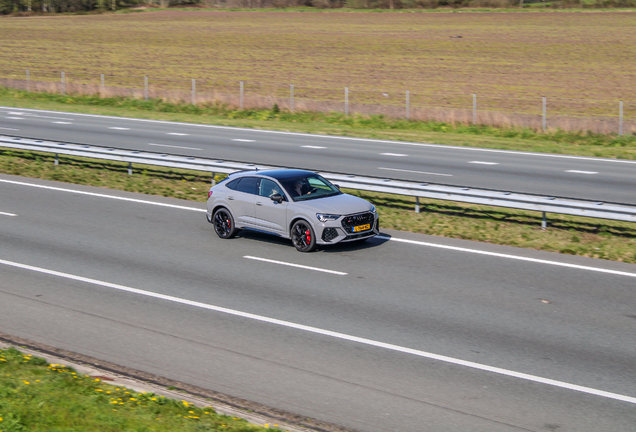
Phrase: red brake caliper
[308,236]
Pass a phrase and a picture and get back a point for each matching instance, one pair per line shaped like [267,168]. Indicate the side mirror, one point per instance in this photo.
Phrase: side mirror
[277,197]
[337,186]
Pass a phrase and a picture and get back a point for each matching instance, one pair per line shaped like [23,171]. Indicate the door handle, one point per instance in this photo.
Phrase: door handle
[259,203]
[230,198]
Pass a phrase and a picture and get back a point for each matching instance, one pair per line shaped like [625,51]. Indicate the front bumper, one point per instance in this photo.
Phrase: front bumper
[333,232]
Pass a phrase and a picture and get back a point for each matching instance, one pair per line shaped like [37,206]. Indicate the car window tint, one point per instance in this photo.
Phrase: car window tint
[247,185]
[232,185]
[268,188]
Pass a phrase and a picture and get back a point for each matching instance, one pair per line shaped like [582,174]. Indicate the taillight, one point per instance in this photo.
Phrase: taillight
[209,194]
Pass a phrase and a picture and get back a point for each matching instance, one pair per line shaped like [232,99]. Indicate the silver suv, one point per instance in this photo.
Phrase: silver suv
[295,204]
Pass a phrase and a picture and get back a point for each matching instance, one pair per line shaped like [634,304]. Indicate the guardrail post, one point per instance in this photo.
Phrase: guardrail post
[346,101]
[620,118]
[544,222]
[102,87]
[474,108]
[291,97]
[63,84]
[417,204]
[213,179]
[57,160]
[28,83]
[129,168]
[194,90]
[146,88]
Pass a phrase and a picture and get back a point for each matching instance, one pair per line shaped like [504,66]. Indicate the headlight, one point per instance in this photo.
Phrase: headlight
[322,217]
[372,209]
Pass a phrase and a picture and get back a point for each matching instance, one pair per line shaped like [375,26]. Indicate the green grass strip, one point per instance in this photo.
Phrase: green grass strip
[38,396]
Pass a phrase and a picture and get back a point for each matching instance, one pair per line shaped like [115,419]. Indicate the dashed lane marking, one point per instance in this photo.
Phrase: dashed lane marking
[295,265]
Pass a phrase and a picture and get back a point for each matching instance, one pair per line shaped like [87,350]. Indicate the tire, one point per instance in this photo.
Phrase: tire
[224,224]
[302,235]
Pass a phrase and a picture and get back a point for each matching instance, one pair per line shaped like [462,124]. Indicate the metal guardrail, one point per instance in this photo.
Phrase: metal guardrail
[545,204]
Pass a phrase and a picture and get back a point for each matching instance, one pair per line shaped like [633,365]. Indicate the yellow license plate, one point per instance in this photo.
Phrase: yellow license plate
[361,228]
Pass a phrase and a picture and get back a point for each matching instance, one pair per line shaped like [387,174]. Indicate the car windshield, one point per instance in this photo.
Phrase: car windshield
[309,187]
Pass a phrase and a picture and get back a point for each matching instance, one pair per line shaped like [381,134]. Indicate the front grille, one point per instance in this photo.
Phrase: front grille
[349,222]
[329,234]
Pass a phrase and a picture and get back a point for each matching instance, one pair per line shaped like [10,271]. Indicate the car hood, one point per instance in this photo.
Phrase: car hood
[343,204]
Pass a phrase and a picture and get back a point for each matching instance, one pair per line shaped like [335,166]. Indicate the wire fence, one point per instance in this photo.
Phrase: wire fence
[503,110]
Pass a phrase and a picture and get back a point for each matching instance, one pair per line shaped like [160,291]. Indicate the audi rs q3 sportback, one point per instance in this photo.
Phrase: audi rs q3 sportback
[295,204]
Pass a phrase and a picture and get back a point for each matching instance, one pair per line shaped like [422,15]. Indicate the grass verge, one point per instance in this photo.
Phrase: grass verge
[588,237]
[37,396]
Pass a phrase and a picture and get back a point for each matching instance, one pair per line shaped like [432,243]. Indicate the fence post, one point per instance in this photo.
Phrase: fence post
[102,87]
[408,105]
[291,97]
[28,83]
[241,96]
[194,94]
[146,88]
[544,121]
[620,118]
[346,101]
[63,84]
[474,108]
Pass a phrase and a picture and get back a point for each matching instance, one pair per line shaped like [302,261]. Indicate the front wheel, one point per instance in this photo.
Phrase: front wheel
[303,237]
[224,224]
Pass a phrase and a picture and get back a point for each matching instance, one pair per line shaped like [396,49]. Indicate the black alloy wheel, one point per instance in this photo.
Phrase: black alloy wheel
[303,237]
[224,224]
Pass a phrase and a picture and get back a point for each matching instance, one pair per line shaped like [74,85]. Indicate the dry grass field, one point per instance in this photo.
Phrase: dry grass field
[582,61]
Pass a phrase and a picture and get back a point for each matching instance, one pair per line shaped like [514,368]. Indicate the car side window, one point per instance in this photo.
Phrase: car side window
[268,188]
[232,185]
[247,185]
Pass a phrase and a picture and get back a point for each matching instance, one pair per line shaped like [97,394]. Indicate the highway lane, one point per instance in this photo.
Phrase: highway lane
[558,175]
[570,324]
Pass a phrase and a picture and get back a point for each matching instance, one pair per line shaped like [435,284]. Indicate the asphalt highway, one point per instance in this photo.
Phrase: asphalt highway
[606,180]
[404,333]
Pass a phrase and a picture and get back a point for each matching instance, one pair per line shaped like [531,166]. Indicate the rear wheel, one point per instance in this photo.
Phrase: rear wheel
[224,224]
[303,237]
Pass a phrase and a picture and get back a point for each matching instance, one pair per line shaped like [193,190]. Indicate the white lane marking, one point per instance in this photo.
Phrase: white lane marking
[177,133]
[18,113]
[27,114]
[103,195]
[7,214]
[295,265]
[515,257]
[61,122]
[393,154]
[484,163]
[420,243]
[15,118]
[313,147]
[337,335]
[581,172]
[243,140]
[173,146]
[118,128]
[13,129]
[627,161]
[418,172]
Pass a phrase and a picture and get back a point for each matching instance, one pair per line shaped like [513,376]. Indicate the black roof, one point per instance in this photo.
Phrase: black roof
[283,174]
